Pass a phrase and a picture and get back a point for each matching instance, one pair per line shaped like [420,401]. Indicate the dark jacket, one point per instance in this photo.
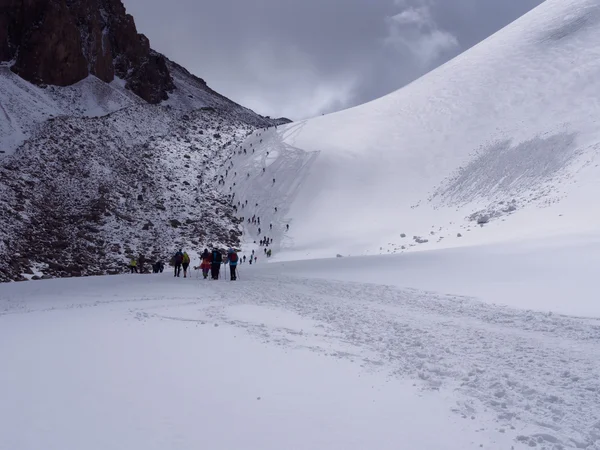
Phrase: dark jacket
[178,258]
[216,257]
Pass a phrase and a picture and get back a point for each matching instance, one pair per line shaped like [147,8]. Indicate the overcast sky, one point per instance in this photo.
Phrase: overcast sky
[301,58]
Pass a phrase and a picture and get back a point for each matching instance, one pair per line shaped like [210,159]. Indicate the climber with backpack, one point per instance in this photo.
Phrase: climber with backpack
[233,258]
[216,259]
[185,262]
[177,261]
[133,265]
[205,265]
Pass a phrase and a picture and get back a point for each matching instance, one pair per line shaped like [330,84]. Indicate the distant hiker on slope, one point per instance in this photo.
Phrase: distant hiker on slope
[205,265]
[185,262]
[177,261]
[216,260]
[232,256]
[133,265]
[269,253]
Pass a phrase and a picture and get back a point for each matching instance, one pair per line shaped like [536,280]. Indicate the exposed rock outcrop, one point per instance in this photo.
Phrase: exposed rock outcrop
[61,42]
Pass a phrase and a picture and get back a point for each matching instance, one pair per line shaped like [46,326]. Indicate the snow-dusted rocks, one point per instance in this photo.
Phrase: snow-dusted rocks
[91,172]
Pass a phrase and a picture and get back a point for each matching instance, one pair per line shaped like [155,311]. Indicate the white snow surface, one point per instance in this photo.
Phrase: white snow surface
[488,338]
[280,359]
[505,134]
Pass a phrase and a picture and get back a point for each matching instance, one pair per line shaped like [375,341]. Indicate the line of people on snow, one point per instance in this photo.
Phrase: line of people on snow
[134,263]
[210,263]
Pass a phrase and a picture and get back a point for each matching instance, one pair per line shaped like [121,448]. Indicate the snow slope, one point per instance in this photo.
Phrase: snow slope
[506,134]
[278,360]
[24,106]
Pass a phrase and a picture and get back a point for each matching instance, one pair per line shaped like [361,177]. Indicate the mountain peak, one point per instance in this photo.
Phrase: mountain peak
[61,42]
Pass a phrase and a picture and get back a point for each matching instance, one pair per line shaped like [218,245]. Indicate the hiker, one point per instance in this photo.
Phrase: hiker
[205,265]
[273,180]
[140,262]
[269,253]
[276,209]
[259,231]
[265,251]
[232,256]
[244,258]
[255,259]
[133,265]
[216,259]
[157,267]
[271,227]
[177,261]
[185,262]
[258,220]
[288,227]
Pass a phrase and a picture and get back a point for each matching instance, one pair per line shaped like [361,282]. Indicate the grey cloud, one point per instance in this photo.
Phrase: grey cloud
[304,58]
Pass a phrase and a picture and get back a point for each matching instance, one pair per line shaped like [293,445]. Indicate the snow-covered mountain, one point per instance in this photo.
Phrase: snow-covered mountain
[105,157]
[500,143]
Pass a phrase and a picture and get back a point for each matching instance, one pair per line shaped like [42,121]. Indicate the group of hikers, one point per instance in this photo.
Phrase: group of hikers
[181,260]
[157,266]
[211,263]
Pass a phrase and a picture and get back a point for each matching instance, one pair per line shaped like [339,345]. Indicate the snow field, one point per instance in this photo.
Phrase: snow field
[153,361]
[141,362]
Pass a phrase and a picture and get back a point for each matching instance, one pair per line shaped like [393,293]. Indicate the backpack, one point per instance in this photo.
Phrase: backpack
[186,258]
[233,257]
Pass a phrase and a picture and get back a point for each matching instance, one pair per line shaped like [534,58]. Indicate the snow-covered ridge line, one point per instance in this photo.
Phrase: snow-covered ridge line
[498,144]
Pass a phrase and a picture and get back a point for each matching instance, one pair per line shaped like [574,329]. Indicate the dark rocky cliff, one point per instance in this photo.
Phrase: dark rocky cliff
[61,42]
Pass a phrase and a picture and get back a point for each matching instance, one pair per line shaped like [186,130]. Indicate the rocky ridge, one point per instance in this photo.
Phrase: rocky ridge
[107,149]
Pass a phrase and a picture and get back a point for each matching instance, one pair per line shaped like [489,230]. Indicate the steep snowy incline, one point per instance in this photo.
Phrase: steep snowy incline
[505,135]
